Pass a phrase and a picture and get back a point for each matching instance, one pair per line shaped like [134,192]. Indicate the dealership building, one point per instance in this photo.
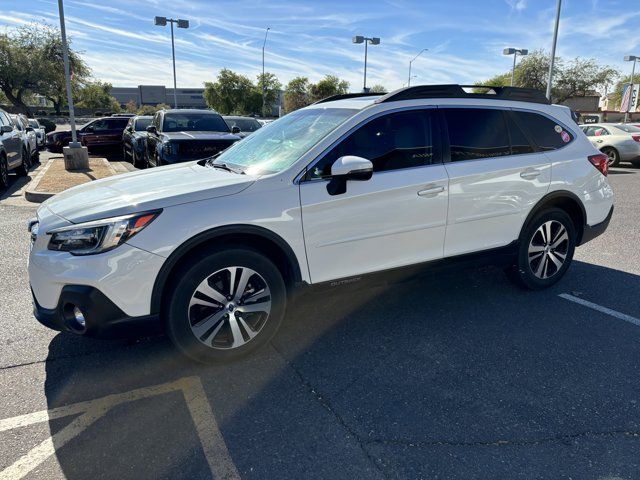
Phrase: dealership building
[155,94]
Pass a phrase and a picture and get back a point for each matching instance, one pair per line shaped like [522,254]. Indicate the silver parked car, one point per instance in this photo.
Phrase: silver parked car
[619,141]
[13,155]
[40,131]
[29,137]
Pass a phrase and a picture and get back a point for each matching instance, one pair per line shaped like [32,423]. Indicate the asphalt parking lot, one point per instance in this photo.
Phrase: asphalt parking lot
[456,375]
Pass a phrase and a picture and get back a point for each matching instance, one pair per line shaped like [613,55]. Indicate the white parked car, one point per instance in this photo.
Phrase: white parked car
[29,137]
[212,251]
[619,141]
[39,130]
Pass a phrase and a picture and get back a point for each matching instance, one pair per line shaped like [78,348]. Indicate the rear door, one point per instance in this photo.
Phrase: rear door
[495,176]
[396,218]
[116,126]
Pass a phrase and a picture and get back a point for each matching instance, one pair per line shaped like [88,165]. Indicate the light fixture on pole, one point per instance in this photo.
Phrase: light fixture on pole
[263,80]
[162,22]
[411,61]
[514,52]
[630,58]
[553,49]
[366,41]
[75,155]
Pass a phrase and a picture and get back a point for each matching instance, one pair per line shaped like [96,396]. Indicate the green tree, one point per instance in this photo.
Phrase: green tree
[296,94]
[131,106]
[378,88]
[97,95]
[151,109]
[502,80]
[272,87]
[328,86]
[231,93]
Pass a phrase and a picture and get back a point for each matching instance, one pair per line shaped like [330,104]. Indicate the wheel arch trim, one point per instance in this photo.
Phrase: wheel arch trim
[241,229]
[548,199]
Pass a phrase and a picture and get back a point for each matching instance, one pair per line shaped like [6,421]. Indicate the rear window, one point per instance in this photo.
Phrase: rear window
[116,123]
[142,124]
[476,133]
[546,134]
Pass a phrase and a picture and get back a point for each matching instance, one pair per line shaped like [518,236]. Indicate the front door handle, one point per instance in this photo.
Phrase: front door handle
[530,174]
[599,141]
[431,191]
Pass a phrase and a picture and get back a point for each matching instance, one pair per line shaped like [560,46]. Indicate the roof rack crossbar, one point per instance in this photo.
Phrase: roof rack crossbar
[457,91]
[344,96]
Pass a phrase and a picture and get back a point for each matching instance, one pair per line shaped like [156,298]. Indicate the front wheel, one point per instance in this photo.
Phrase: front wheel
[614,156]
[545,250]
[225,305]
[4,172]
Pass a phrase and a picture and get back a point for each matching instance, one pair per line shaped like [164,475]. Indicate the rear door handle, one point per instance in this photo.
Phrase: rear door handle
[530,174]
[431,191]
[599,141]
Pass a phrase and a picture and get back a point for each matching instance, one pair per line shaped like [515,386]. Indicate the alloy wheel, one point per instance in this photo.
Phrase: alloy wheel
[4,173]
[229,308]
[548,249]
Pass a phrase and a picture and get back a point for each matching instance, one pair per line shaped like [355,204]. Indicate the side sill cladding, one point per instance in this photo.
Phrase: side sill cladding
[229,234]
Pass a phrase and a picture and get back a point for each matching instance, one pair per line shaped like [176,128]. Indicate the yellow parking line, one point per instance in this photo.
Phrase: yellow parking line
[213,443]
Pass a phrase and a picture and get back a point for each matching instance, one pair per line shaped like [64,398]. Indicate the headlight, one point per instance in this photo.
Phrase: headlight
[99,236]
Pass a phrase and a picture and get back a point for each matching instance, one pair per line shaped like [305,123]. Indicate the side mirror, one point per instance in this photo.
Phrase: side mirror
[87,129]
[152,129]
[6,129]
[235,129]
[346,168]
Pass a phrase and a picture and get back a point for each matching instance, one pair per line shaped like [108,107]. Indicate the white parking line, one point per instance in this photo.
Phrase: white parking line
[622,316]
[213,444]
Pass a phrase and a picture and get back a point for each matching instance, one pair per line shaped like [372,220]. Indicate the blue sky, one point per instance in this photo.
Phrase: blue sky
[465,38]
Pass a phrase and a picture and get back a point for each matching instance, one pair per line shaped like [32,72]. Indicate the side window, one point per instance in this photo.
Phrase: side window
[3,119]
[394,141]
[476,133]
[519,142]
[100,126]
[156,121]
[546,133]
[600,131]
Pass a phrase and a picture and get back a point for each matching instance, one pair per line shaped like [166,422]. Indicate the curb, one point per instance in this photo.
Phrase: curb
[38,197]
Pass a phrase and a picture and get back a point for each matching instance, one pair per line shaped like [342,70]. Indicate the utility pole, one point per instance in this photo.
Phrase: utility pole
[366,41]
[263,81]
[553,49]
[411,61]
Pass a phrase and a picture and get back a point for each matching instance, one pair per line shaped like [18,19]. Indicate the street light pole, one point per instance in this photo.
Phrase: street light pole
[553,49]
[67,76]
[411,61]
[366,41]
[263,81]
[514,52]
[630,58]
[161,22]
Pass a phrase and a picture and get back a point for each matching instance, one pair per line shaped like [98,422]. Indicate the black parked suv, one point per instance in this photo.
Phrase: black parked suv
[181,135]
[12,154]
[134,140]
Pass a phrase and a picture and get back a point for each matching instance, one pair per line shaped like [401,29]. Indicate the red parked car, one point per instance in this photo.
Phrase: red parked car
[102,132]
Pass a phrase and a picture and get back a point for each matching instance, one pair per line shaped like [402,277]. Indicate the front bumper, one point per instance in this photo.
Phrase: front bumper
[102,318]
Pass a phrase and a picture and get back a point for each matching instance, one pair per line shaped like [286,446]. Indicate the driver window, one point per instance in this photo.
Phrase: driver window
[100,126]
[391,142]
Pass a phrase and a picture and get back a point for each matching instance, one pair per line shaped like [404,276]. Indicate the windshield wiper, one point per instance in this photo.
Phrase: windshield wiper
[224,166]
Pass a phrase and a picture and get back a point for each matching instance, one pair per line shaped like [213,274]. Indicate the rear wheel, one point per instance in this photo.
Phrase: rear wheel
[545,250]
[225,305]
[4,172]
[124,154]
[23,169]
[614,156]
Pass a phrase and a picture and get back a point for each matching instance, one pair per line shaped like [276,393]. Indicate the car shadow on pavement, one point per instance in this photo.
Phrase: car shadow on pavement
[455,375]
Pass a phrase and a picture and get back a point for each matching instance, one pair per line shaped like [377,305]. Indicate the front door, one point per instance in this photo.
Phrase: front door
[396,218]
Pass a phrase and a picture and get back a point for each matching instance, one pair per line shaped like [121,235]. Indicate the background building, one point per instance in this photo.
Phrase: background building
[155,94]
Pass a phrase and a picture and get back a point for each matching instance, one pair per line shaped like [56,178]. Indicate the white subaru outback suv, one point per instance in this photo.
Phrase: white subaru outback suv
[212,251]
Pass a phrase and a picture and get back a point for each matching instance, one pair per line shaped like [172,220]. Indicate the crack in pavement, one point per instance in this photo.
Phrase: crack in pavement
[326,404]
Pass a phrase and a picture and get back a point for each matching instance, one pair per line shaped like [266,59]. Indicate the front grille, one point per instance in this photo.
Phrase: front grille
[201,148]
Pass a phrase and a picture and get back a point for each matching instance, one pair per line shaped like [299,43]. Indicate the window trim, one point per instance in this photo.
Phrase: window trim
[436,135]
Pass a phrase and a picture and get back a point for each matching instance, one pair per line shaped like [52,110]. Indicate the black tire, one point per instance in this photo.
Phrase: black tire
[4,172]
[614,156]
[124,154]
[36,156]
[212,267]
[25,166]
[135,160]
[531,272]
[636,163]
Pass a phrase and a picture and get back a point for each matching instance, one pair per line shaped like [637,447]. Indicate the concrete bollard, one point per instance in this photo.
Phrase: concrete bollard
[76,157]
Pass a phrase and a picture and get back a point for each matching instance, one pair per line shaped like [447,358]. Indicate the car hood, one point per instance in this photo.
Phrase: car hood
[146,190]
[199,136]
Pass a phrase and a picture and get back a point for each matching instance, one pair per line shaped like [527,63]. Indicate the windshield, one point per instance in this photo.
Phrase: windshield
[245,124]
[628,128]
[194,122]
[34,124]
[142,124]
[280,144]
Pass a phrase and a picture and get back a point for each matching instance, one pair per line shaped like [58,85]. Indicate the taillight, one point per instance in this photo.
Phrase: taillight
[636,137]
[601,162]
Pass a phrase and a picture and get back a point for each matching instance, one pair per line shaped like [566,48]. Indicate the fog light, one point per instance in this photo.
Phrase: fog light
[79,317]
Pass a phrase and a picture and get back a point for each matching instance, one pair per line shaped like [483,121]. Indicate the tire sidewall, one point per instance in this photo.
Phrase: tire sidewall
[186,282]
[525,274]
[616,155]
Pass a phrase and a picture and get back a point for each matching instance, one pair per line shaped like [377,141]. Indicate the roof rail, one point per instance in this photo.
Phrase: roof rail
[344,96]
[457,91]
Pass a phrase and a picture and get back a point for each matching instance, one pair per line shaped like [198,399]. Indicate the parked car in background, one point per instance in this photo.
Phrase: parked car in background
[242,126]
[134,140]
[13,156]
[619,141]
[180,135]
[40,131]
[48,125]
[29,137]
[102,132]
